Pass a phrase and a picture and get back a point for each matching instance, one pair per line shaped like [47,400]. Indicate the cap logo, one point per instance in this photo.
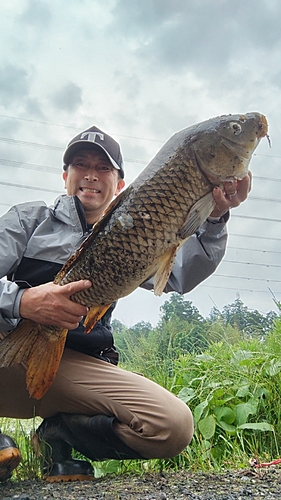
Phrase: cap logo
[91,136]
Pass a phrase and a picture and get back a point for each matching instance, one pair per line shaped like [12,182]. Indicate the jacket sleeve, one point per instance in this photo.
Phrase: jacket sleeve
[15,229]
[197,259]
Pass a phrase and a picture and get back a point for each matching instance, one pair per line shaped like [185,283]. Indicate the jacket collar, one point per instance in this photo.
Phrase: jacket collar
[69,209]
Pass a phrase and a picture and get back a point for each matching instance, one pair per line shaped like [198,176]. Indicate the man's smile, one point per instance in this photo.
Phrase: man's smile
[89,190]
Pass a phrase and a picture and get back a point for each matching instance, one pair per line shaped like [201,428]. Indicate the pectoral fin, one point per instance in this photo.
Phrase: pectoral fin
[38,349]
[197,215]
[94,315]
[164,270]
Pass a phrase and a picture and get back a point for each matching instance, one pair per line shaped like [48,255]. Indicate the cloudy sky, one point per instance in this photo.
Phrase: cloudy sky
[142,70]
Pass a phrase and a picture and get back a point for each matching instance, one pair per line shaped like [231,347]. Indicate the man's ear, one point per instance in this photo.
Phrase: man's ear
[64,176]
[120,185]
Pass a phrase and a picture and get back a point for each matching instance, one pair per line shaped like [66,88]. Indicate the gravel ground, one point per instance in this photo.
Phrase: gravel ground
[250,485]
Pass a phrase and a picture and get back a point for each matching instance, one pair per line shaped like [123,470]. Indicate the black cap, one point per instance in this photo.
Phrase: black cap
[93,137]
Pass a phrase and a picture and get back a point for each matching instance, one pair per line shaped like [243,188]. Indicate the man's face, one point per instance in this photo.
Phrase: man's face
[92,178]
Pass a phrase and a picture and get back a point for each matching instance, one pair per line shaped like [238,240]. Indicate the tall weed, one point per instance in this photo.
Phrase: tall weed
[233,388]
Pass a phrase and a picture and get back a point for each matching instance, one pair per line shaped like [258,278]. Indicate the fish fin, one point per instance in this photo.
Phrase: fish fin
[97,227]
[28,343]
[17,345]
[93,316]
[199,212]
[42,369]
[164,270]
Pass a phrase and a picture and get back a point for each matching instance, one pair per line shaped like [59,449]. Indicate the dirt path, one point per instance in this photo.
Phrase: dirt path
[164,486]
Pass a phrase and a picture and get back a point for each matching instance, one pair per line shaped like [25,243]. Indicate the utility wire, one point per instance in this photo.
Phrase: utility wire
[58,148]
[255,237]
[267,219]
[23,186]
[45,168]
[29,166]
[30,144]
[217,275]
[76,128]
[250,263]
[239,289]
[253,249]
[46,190]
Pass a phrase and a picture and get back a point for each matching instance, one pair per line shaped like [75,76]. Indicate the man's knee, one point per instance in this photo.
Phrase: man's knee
[179,434]
[172,433]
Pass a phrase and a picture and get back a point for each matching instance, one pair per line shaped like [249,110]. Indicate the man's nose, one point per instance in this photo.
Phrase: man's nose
[91,173]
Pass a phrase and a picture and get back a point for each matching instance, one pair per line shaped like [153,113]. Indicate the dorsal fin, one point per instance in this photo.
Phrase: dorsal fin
[95,230]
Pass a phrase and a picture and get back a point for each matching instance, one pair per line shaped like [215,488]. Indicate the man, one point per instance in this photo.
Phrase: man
[92,406]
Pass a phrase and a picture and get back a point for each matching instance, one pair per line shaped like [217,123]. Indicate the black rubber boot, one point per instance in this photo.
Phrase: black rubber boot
[10,456]
[56,446]
[96,439]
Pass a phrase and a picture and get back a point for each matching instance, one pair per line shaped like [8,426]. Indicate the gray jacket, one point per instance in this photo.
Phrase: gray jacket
[36,240]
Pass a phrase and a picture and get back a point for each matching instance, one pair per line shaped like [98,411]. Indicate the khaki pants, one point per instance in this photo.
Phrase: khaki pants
[152,421]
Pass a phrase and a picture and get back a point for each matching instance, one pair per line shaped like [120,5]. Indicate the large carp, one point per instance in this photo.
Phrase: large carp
[141,231]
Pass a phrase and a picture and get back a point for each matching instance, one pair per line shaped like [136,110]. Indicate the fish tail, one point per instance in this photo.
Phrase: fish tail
[17,345]
[28,344]
[42,369]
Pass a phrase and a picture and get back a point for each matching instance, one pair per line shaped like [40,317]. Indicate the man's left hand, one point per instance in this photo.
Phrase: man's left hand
[231,195]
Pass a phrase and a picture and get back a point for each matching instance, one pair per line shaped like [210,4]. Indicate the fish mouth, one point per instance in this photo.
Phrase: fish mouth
[263,128]
[240,152]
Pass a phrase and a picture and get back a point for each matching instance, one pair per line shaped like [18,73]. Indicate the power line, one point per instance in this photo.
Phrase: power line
[252,217]
[46,190]
[237,289]
[58,148]
[22,164]
[250,263]
[4,183]
[119,135]
[245,278]
[229,246]
[54,170]
[30,144]
[45,168]
[29,166]
[253,249]
[263,198]
[75,128]
[267,178]
[255,237]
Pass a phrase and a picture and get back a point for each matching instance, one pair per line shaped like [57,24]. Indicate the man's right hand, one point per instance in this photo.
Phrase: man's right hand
[50,304]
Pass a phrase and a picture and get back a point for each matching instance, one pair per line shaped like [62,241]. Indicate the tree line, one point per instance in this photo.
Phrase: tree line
[182,329]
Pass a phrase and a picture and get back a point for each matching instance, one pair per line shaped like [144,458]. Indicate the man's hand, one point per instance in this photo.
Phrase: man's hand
[232,194]
[50,304]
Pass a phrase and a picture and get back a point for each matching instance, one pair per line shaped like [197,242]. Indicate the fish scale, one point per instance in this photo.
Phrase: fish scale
[138,236]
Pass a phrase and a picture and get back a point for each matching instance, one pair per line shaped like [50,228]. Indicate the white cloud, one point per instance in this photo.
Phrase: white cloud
[142,71]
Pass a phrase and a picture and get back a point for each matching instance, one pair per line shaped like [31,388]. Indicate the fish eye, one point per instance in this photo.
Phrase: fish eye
[236,128]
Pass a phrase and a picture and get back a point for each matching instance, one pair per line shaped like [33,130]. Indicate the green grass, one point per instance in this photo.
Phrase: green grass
[233,389]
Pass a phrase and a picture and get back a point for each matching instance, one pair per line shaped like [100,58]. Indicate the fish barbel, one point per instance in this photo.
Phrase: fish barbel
[138,236]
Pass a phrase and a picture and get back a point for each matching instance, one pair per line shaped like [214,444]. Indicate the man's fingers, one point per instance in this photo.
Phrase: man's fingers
[230,188]
[71,308]
[218,196]
[244,187]
[76,286]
